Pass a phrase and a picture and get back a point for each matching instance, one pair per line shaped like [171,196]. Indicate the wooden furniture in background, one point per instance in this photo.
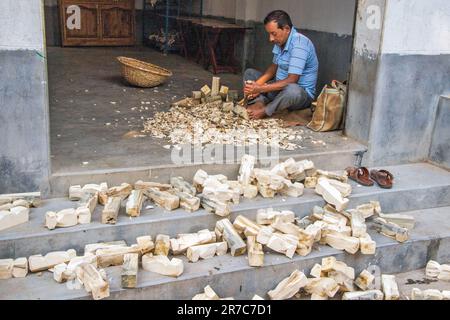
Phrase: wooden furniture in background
[102,23]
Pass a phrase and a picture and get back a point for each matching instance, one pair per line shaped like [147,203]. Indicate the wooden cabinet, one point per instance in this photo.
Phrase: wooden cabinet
[97,22]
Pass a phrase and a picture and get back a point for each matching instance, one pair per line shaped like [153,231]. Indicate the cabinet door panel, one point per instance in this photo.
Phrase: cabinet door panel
[79,26]
[117,23]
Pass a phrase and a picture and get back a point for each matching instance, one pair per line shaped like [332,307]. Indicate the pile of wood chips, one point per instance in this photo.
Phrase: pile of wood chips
[215,117]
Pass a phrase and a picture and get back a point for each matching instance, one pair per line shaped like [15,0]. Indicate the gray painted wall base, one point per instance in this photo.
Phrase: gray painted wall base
[24,138]
[440,143]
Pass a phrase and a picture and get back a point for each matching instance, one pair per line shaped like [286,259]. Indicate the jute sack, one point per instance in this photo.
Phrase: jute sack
[329,110]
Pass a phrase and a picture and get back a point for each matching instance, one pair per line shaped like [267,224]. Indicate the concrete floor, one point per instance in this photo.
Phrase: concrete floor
[92,108]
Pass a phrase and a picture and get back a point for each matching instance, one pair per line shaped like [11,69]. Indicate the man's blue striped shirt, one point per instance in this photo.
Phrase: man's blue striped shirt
[298,57]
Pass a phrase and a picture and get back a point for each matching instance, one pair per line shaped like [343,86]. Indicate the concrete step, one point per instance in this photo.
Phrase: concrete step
[232,277]
[417,186]
[340,153]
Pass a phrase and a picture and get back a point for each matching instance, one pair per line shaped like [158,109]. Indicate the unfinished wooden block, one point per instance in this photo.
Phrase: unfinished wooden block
[316,271]
[390,287]
[256,297]
[331,264]
[196,95]
[369,209]
[246,226]
[93,281]
[250,191]
[444,275]
[310,182]
[268,216]
[265,191]
[364,280]
[70,272]
[130,270]
[264,235]
[145,244]
[162,265]
[59,273]
[111,210]
[222,209]
[162,245]
[358,224]
[163,199]
[75,193]
[89,200]
[283,243]
[323,287]
[433,269]
[401,220]
[6,268]
[287,288]
[208,294]
[184,241]
[331,194]
[391,230]
[91,249]
[294,190]
[141,185]
[215,86]
[319,228]
[304,222]
[224,92]
[84,215]
[182,185]
[363,295]
[135,202]
[430,294]
[340,176]
[122,191]
[199,180]
[367,245]
[20,269]
[230,235]
[245,176]
[187,202]
[14,217]
[38,263]
[64,218]
[340,242]
[113,256]
[344,188]
[255,252]
[206,91]
[206,251]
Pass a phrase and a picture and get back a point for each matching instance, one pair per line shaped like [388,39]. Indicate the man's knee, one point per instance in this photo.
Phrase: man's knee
[293,90]
[251,74]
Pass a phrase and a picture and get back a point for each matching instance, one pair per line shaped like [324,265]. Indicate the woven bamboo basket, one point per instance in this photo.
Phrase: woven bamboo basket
[143,74]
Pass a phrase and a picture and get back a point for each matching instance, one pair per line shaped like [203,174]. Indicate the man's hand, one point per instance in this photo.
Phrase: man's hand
[252,89]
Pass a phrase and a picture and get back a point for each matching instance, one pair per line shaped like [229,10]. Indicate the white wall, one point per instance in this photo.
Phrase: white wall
[424,27]
[24,29]
[334,16]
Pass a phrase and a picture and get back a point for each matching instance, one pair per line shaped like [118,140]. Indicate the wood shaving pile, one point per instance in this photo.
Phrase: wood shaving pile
[209,124]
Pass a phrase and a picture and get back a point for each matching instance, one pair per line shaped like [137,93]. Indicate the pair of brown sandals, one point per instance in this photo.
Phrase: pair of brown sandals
[361,175]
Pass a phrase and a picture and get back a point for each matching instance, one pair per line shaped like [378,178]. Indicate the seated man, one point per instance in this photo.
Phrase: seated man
[294,67]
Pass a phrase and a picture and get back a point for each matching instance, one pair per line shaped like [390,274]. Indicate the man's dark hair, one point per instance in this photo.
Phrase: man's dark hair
[280,17]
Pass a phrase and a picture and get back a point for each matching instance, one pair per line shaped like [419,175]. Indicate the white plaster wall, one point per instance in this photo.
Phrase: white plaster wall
[21,25]
[334,16]
[417,27]
[369,23]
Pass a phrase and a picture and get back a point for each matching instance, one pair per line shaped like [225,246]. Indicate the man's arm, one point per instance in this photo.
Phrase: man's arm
[260,86]
[268,75]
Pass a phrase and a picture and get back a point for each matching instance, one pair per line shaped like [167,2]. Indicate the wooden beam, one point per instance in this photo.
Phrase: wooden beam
[111,210]
[93,281]
[255,252]
[390,287]
[235,243]
[206,251]
[113,256]
[363,295]
[162,245]
[38,263]
[141,185]
[340,242]
[130,270]
[391,230]
[134,203]
[287,288]
[163,199]
[91,249]
[162,265]
[14,217]
[402,220]
[182,185]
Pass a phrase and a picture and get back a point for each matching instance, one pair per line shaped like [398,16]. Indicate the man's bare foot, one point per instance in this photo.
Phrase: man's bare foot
[256,106]
[257,114]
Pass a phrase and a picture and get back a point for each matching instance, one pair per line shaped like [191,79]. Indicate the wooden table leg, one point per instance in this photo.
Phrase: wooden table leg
[213,35]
